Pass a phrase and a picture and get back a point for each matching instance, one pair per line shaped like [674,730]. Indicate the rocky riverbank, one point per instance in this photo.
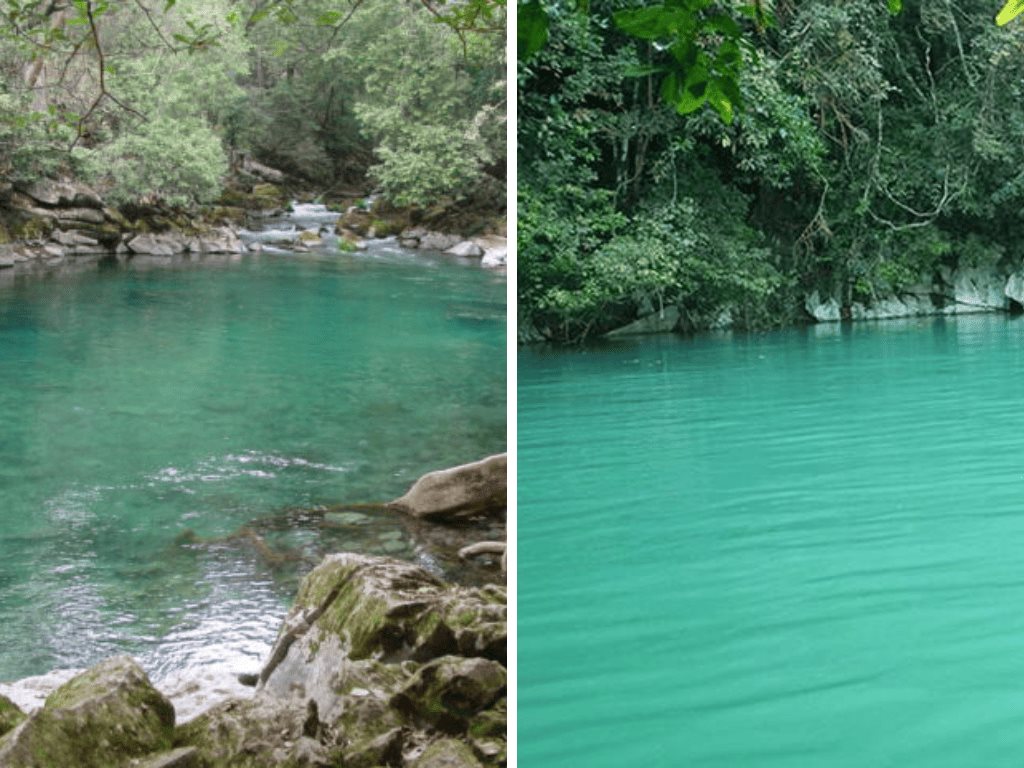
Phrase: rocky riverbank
[378,663]
[51,224]
[950,290]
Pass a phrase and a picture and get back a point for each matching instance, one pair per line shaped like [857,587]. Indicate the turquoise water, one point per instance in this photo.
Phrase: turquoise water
[804,548]
[155,422]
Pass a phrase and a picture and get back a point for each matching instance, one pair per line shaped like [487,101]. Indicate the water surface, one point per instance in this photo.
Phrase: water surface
[802,548]
[157,424]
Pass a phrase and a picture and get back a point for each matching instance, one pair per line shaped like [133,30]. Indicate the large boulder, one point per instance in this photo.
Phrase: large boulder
[62,193]
[166,244]
[438,241]
[219,240]
[467,248]
[376,659]
[354,607]
[459,492]
[495,250]
[979,289]
[99,719]
[822,310]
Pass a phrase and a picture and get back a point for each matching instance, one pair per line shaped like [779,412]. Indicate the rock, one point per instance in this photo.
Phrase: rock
[437,241]
[98,719]
[6,262]
[249,679]
[183,757]
[310,237]
[78,215]
[408,242]
[10,715]
[466,248]
[823,311]
[462,491]
[495,250]
[72,238]
[167,244]
[657,322]
[60,193]
[258,733]
[220,240]
[447,693]
[447,753]
[357,607]
[264,172]
[979,289]
[1014,288]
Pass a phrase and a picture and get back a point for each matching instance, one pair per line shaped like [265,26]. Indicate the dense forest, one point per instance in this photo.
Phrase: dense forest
[155,100]
[872,145]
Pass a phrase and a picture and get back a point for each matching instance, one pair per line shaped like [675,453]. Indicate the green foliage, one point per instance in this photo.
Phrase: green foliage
[314,87]
[177,161]
[874,150]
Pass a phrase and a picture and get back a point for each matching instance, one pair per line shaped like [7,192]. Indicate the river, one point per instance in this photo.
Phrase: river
[156,418]
[799,548]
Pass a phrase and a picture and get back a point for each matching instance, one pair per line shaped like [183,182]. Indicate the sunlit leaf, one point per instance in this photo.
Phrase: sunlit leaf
[1011,10]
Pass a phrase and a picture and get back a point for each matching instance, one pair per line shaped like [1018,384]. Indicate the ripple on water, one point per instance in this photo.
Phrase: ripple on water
[171,438]
[794,549]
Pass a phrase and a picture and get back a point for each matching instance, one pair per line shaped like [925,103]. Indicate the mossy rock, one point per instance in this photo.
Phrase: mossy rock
[492,722]
[263,732]
[449,692]
[10,715]
[447,753]
[383,228]
[100,719]
[347,246]
[32,228]
[267,190]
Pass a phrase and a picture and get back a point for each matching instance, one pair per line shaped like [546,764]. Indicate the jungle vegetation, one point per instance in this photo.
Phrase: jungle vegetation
[152,99]
[734,158]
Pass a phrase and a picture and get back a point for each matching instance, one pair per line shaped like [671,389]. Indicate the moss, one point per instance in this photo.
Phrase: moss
[35,228]
[10,715]
[491,722]
[347,246]
[382,228]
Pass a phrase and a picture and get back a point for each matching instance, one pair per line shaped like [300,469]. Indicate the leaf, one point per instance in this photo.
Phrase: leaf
[895,6]
[329,19]
[654,23]
[169,5]
[532,34]
[1011,10]
[722,104]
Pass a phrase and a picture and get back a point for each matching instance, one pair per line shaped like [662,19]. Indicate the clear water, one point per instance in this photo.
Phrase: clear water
[803,548]
[164,431]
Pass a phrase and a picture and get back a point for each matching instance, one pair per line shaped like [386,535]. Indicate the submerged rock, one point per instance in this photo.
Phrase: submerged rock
[98,719]
[458,492]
